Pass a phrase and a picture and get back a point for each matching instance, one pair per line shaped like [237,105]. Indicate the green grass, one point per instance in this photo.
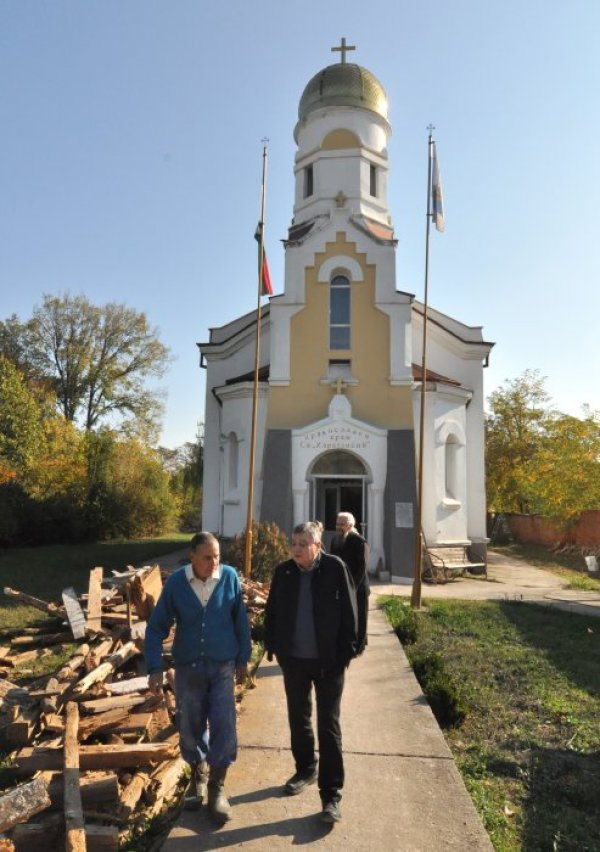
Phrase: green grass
[45,571]
[527,681]
[570,566]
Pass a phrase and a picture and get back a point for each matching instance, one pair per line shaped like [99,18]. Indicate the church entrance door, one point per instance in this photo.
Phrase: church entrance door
[339,486]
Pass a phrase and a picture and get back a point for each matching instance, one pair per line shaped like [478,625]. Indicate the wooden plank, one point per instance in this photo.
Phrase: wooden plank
[102,838]
[94,607]
[101,705]
[30,760]
[20,804]
[74,822]
[37,603]
[127,686]
[74,612]
[38,836]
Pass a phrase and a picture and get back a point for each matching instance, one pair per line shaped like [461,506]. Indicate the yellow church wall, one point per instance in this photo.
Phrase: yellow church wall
[373,399]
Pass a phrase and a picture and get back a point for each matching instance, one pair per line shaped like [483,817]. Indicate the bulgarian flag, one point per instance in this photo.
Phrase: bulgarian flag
[266,286]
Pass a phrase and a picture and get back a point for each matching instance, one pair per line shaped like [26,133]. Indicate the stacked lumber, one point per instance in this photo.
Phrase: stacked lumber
[92,753]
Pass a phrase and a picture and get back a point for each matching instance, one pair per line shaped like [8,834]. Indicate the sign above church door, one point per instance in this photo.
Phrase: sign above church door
[336,436]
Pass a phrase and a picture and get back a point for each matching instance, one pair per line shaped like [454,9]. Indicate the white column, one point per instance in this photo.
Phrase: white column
[375,532]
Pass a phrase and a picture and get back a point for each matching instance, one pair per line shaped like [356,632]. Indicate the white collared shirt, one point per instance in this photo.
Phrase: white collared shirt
[203,588]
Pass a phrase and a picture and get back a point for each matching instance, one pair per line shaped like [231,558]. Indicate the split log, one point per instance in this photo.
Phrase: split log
[74,822]
[41,836]
[11,695]
[40,640]
[49,701]
[30,760]
[74,663]
[94,607]
[53,723]
[131,795]
[97,790]
[74,612]
[145,589]
[23,802]
[98,652]
[25,657]
[164,780]
[37,603]
[106,668]
[38,836]
[21,730]
[102,838]
[128,723]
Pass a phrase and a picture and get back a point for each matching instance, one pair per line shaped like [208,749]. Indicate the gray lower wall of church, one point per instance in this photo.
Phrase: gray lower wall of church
[401,487]
[277,501]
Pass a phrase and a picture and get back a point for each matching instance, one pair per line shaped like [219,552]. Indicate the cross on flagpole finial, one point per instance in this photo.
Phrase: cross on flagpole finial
[343,49]
[431,128]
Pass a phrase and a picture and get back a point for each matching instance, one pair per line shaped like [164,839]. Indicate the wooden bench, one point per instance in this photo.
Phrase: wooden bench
[447,561]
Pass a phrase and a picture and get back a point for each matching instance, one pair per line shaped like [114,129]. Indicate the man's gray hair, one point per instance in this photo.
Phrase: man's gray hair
[313,529]
[203,538]
[348,517]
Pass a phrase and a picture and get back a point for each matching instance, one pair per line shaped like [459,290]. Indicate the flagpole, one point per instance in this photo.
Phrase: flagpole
[415,598]
[261,261]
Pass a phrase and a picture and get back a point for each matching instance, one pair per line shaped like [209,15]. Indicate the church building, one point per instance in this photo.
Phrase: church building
[339,378]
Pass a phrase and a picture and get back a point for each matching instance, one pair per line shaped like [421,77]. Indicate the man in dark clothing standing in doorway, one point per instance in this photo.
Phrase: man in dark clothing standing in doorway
[352,549]
[310,625]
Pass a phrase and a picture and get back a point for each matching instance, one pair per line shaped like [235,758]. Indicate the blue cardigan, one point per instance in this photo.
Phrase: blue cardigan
[218,631]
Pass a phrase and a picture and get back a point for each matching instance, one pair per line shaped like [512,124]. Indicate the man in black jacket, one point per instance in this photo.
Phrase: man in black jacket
[352,549]
[311,627]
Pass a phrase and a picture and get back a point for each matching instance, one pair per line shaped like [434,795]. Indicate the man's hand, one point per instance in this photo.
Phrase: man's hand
[241,673]
[155,682]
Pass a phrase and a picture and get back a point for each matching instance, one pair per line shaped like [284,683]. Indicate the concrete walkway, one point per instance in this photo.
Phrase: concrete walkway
[403,792]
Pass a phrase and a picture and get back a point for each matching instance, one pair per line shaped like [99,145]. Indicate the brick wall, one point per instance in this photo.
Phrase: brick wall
[534,529]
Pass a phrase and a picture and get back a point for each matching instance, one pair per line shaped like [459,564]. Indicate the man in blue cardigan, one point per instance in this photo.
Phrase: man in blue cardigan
[211,649]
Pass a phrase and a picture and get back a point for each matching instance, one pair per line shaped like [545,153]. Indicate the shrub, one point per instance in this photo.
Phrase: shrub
[270,546]
[442,694]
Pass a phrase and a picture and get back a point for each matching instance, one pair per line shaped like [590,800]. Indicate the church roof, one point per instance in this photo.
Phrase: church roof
[344,84]
[432,376]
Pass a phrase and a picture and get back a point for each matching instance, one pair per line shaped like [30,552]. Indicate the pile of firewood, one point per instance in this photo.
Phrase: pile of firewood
[93,753]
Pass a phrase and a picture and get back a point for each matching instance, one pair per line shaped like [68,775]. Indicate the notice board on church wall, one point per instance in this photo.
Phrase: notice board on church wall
[404,516]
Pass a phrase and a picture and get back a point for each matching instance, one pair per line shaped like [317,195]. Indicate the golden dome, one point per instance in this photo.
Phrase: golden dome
[344,84]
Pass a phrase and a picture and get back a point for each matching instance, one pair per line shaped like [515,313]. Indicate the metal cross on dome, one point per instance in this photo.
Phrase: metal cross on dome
[343,49]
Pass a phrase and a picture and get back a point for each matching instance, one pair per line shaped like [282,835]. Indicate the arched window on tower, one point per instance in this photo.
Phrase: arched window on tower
[339,313]
[373,180]
[451,452]
[233,461]
[308,181]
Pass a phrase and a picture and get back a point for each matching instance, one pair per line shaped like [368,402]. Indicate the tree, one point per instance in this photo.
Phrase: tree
[567,480]
[515,429]
[20,421]
[98,360]
[185,465]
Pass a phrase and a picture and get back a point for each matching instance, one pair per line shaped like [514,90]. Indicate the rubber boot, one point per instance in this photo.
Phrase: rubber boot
[217,800]
[198,789]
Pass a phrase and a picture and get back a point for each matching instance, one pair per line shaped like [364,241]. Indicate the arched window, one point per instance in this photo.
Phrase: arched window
[233,460]
[339,313]
[338,463]
[451,454]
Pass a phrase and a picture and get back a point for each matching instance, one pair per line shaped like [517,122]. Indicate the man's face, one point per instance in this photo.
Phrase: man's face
[205,559]
[341,525]
[304,550]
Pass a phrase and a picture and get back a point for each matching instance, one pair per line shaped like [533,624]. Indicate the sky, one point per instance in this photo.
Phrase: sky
[132,152]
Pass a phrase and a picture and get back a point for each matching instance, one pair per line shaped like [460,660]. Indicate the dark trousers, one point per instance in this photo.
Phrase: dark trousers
[299,676]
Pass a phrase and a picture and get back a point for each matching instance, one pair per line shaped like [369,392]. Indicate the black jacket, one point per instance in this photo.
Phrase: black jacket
[334,601]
